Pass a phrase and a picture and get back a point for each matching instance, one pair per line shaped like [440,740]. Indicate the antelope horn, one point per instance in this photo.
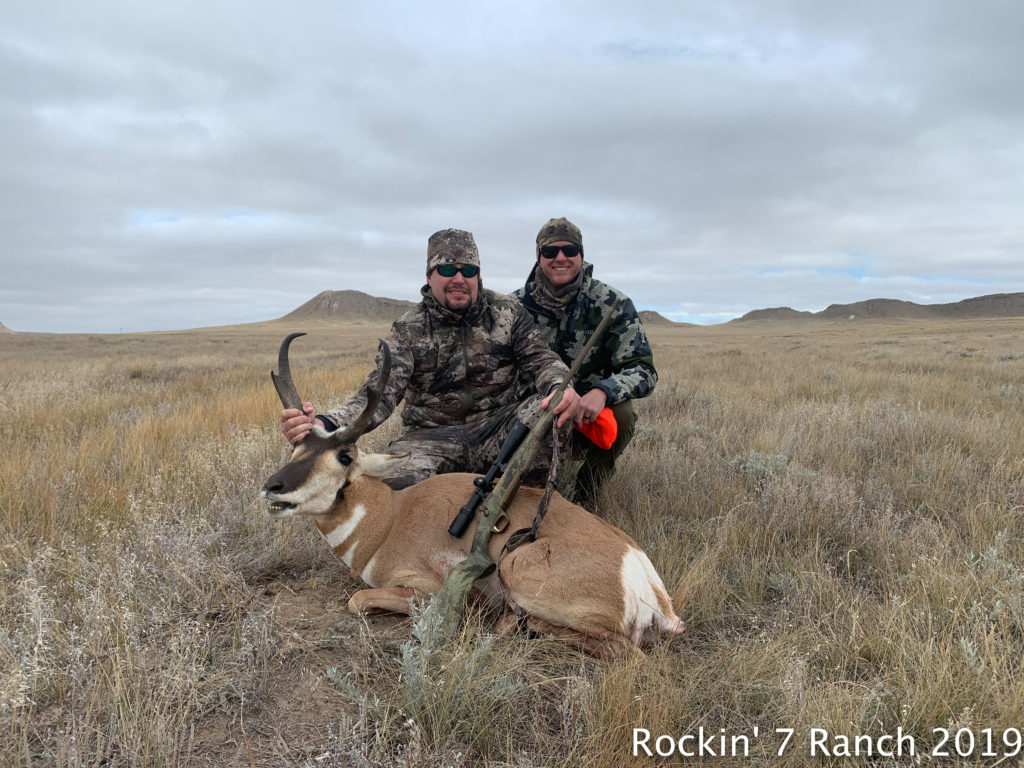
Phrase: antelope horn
[354,430]
[283,379]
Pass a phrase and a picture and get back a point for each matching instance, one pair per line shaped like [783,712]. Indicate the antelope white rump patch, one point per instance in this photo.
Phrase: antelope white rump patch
[639,585]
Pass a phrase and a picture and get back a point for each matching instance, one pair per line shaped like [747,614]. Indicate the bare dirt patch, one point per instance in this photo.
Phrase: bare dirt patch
[302,708]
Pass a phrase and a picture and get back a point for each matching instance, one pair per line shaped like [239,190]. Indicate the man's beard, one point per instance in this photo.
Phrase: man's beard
[470,301]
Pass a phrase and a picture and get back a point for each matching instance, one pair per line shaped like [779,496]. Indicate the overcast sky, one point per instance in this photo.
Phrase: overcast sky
[176,165]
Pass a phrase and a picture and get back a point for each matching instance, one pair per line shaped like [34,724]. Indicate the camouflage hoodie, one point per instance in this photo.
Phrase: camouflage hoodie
[453,368]
[621,363]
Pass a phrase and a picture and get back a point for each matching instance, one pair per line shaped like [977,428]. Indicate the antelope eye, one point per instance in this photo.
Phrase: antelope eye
[345,459]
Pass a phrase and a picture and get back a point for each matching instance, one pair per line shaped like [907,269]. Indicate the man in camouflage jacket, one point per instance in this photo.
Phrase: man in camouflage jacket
[455,360]
[567,303]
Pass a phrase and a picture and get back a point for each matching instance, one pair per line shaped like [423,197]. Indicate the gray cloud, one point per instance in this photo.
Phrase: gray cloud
[188,165]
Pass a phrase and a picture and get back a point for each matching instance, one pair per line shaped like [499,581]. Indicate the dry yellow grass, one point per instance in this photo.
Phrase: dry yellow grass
[838,509]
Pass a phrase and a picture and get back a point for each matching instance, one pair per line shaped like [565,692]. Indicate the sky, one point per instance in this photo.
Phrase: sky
[182,165]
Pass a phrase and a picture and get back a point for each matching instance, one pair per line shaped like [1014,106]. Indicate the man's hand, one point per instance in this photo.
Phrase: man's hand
[296,424]
[590,405]
[566,408]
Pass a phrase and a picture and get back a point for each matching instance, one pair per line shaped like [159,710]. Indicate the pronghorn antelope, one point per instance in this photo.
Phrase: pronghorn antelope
[583,580]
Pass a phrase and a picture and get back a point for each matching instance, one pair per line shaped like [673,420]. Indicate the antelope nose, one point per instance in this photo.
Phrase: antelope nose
[272,486]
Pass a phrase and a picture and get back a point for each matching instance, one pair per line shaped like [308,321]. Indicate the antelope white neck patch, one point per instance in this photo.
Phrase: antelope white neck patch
[343,530]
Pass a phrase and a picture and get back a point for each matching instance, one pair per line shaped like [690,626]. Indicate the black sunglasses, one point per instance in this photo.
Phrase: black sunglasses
[449,270]
[551,251]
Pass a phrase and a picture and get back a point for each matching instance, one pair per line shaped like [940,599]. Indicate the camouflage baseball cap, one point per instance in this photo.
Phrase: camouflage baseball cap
[451,246]
[558,230]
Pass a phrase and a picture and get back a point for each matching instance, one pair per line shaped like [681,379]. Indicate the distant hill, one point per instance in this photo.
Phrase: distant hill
[774,313]
[878,308]
[350,305]
[652,318]
[5,329]
[994,305]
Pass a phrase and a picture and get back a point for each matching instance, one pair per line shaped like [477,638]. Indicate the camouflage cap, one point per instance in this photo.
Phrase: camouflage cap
[558,230]
[451,246]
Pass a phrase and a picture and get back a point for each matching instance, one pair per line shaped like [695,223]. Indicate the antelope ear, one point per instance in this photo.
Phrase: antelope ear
[377,464]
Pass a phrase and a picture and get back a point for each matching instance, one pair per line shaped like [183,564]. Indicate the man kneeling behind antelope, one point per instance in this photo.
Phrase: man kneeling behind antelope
[582,580]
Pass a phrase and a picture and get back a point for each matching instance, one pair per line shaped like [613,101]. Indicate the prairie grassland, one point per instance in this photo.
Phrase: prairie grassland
[837,508]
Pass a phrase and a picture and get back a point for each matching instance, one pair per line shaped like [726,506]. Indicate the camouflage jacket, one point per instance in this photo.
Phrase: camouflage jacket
[621,363]
[452,368]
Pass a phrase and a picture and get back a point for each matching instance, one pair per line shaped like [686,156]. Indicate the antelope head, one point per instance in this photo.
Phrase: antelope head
[323,463]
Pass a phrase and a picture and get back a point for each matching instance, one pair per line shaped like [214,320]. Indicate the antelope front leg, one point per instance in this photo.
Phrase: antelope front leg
[386,600]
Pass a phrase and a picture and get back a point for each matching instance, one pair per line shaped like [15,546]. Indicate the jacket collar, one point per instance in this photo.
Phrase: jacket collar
[536,290]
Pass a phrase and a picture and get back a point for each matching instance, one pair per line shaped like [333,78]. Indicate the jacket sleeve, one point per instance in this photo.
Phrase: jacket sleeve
[394,391]
[633,375]
[536,359]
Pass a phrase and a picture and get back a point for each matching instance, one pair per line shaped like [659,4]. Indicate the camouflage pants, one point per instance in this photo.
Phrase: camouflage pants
[471,447]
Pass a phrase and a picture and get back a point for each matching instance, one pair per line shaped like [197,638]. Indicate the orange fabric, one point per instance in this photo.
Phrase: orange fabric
[602,431]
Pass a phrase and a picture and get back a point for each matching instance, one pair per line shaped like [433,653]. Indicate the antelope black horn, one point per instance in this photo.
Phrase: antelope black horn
[283,379]
[357,427]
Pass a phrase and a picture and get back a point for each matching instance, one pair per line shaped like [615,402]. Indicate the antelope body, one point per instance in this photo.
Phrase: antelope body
[582,580]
